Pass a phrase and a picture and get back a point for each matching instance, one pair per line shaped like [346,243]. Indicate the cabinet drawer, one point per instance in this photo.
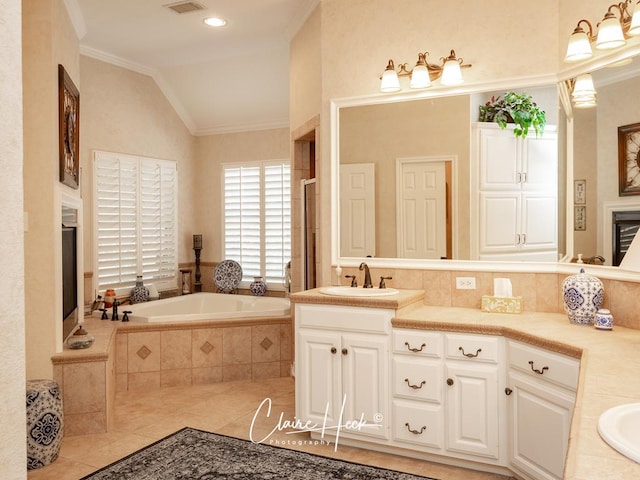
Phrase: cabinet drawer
[420,424]
[476,348]
[354,319]
[417,378]
[545,365]
[419,343]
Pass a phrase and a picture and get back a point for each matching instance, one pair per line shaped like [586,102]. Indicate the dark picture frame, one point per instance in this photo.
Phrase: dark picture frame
[69,129]
[629,159]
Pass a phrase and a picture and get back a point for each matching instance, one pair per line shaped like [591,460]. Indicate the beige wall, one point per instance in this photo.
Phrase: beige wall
[125,112]
[48,40]
[12,282]
[585,149]
[214,150]
[382,133]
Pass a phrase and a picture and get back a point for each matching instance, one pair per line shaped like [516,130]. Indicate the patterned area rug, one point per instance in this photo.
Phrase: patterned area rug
[191,454]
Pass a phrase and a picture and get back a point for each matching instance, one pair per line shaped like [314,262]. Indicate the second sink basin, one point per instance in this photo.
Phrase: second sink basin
[344,291]
[620,427]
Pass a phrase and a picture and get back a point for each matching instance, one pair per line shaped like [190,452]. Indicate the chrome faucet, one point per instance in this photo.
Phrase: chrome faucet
[367,275]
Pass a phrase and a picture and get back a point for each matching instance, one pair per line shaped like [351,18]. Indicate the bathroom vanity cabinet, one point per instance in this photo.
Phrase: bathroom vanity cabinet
[542,393]
[446,393]
[342,369]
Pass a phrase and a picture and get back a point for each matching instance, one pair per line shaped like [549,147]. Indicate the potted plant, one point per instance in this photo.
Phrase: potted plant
[518,108]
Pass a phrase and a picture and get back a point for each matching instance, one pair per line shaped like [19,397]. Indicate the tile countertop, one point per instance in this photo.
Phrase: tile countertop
[609,368]
[609,373]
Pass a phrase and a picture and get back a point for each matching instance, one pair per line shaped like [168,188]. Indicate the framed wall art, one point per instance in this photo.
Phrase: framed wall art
[69,129]
[629,159]
[579,192]
[579,218]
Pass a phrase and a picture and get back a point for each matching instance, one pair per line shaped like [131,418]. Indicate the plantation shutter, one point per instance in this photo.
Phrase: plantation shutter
[277,220]
[135,211]
[257,218]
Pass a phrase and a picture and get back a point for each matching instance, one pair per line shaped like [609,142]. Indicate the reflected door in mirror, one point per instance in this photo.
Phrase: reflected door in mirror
[357,210]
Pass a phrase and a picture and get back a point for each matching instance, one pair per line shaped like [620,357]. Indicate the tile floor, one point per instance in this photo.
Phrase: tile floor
[143,417]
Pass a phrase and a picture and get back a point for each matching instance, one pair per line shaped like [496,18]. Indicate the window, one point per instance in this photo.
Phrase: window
[257,219]
[135,221]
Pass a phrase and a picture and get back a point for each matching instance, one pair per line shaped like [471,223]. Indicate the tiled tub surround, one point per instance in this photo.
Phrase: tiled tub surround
[130,356]
[609,364]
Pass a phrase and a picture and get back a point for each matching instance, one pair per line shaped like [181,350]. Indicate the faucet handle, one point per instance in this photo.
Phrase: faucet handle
[382,279]
[353,280]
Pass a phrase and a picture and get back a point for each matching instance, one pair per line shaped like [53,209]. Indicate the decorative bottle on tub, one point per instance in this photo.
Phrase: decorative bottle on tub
[258,287]
[139,293]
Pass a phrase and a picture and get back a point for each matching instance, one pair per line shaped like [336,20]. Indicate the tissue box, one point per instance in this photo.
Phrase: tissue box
[501,304]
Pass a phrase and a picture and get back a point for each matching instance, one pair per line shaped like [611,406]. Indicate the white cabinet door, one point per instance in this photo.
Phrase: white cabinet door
[357,210]
[472,409]
[500,228]
[539,221]
[365,382]
[540,163]
[499,165]
[540,422]
[318,377]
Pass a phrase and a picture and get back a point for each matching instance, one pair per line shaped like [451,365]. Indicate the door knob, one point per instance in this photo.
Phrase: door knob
[345,351]
[449,381]
[334,350]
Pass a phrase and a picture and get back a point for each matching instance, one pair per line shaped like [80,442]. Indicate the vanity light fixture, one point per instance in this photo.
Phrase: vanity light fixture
[612,32]
[424,73]
[583,92]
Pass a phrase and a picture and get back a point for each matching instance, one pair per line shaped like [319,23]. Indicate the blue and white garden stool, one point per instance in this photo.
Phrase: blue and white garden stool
[44,422]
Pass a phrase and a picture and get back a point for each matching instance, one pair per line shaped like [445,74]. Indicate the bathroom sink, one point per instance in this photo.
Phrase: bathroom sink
[620,427]
[344,291]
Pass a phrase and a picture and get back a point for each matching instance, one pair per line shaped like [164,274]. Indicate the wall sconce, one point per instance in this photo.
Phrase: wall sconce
[583,92]
[424,73]
[612,31]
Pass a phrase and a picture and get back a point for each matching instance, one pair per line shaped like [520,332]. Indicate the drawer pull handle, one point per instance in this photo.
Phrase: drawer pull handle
[470,355]
[411,349]
[539,372]
[416,387]
[415,432]
[334,350]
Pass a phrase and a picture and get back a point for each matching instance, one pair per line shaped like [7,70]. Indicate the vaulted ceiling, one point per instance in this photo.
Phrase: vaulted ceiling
[232,78]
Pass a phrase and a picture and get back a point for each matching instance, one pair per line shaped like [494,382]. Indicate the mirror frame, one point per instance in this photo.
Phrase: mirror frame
[600,61]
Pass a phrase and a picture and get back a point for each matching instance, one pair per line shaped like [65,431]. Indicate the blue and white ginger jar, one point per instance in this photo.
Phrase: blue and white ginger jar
[258,287]
[582,297]
[139,293]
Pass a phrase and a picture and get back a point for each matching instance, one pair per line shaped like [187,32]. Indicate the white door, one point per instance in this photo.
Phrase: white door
[540,163]
[499,166]
[422,210]
[357,210]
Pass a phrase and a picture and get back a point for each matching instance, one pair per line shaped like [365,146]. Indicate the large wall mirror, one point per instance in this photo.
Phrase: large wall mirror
[379,143]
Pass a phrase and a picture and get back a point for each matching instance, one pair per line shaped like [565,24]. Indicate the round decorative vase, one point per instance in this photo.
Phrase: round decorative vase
[582,296]
[109,298]
[80,339]
[139,293]
[603,319]
[258,287]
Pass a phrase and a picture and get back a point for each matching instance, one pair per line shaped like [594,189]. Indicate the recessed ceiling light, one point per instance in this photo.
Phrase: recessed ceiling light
[215,22]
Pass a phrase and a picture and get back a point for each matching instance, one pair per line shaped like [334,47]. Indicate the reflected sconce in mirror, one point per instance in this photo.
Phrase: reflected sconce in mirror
[583,92]
[611,32]
[449,72]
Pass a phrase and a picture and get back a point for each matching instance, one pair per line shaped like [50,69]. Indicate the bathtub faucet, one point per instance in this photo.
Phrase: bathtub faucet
[367,275]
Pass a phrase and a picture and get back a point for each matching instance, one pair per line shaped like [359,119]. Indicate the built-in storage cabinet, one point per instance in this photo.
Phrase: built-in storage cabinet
[342,368]
[515,182]
[445,389]
[541,390]
[464,399]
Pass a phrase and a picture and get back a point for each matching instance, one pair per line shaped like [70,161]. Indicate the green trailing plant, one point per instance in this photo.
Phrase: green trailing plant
[517,108]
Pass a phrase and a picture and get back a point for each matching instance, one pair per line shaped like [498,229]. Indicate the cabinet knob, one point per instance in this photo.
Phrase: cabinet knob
[508,391]
[449,381]
[334,350]
[345,351]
